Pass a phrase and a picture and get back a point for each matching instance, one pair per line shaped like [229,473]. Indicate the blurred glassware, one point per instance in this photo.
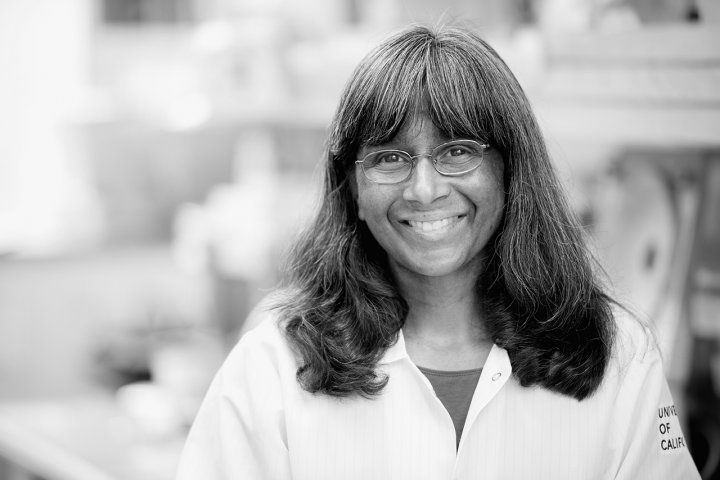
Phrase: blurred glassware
[152,407]
[182,365]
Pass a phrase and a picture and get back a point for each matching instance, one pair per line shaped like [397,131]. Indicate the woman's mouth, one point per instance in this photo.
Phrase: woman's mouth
[433,226]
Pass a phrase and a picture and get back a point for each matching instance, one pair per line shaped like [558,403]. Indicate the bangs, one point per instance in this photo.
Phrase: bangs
[460,101]
[392,89]
[423,73]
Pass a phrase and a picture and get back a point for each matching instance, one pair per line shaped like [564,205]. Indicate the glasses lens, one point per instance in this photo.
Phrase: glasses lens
[459,157]
[387,166]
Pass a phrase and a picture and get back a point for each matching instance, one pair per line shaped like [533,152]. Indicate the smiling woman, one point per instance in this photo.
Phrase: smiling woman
[442,317]
[432,223]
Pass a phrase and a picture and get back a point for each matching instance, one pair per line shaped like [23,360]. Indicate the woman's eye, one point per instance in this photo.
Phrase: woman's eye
[389,158]
[458,151]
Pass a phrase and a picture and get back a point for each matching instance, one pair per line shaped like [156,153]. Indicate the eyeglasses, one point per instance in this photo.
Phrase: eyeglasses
[451,159]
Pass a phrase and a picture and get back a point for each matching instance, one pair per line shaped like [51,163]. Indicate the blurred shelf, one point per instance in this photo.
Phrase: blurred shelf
[629,124]
[677,43]
[655,87]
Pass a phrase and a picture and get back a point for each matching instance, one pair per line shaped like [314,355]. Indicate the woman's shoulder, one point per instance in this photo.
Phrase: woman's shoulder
[635,341]
[262,332]
[635,357]
[265,314]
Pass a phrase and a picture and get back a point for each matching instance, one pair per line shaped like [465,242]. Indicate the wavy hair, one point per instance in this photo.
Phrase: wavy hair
[542,296]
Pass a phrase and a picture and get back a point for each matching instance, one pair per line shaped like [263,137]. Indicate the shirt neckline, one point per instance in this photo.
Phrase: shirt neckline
[450,373]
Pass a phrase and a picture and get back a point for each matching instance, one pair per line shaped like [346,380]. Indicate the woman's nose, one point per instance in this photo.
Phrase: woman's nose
[425,184]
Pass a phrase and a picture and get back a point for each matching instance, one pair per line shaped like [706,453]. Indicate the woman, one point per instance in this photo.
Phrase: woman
[442,318]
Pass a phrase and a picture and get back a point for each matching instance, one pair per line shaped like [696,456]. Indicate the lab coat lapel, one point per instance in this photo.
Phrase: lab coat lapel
[495,373]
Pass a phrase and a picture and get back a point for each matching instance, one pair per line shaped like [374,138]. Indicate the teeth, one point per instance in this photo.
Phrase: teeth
[431,226]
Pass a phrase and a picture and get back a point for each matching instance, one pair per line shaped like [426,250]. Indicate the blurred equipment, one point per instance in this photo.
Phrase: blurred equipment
[636,228]
[703,304]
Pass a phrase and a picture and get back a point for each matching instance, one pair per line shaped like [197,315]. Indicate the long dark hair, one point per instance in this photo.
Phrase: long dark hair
[545,304]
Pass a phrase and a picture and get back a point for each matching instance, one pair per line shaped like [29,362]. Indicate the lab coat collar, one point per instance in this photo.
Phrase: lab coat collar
[497,368]
[495,373]
[396,351]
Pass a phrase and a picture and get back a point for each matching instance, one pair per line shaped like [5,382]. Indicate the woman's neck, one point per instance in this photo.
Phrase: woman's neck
[444,325]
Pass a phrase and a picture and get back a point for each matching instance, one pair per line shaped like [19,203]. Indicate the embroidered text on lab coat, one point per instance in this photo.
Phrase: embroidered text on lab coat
[671,437]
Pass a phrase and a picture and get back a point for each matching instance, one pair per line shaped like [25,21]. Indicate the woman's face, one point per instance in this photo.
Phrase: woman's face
[430,224]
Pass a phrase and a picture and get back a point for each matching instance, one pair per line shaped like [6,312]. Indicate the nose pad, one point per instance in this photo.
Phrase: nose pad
[425,185]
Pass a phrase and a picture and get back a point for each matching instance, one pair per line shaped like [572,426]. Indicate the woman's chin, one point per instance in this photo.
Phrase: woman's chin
[443,266]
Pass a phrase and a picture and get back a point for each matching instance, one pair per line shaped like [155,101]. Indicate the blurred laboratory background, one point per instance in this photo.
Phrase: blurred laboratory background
[137,230]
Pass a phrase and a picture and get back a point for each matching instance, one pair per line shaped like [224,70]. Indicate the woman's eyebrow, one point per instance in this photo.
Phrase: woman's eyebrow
[389,145]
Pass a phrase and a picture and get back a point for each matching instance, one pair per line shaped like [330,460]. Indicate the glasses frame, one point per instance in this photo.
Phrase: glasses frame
[433,157]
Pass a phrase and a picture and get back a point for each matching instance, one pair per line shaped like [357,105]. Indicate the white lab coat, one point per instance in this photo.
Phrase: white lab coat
[257,423]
